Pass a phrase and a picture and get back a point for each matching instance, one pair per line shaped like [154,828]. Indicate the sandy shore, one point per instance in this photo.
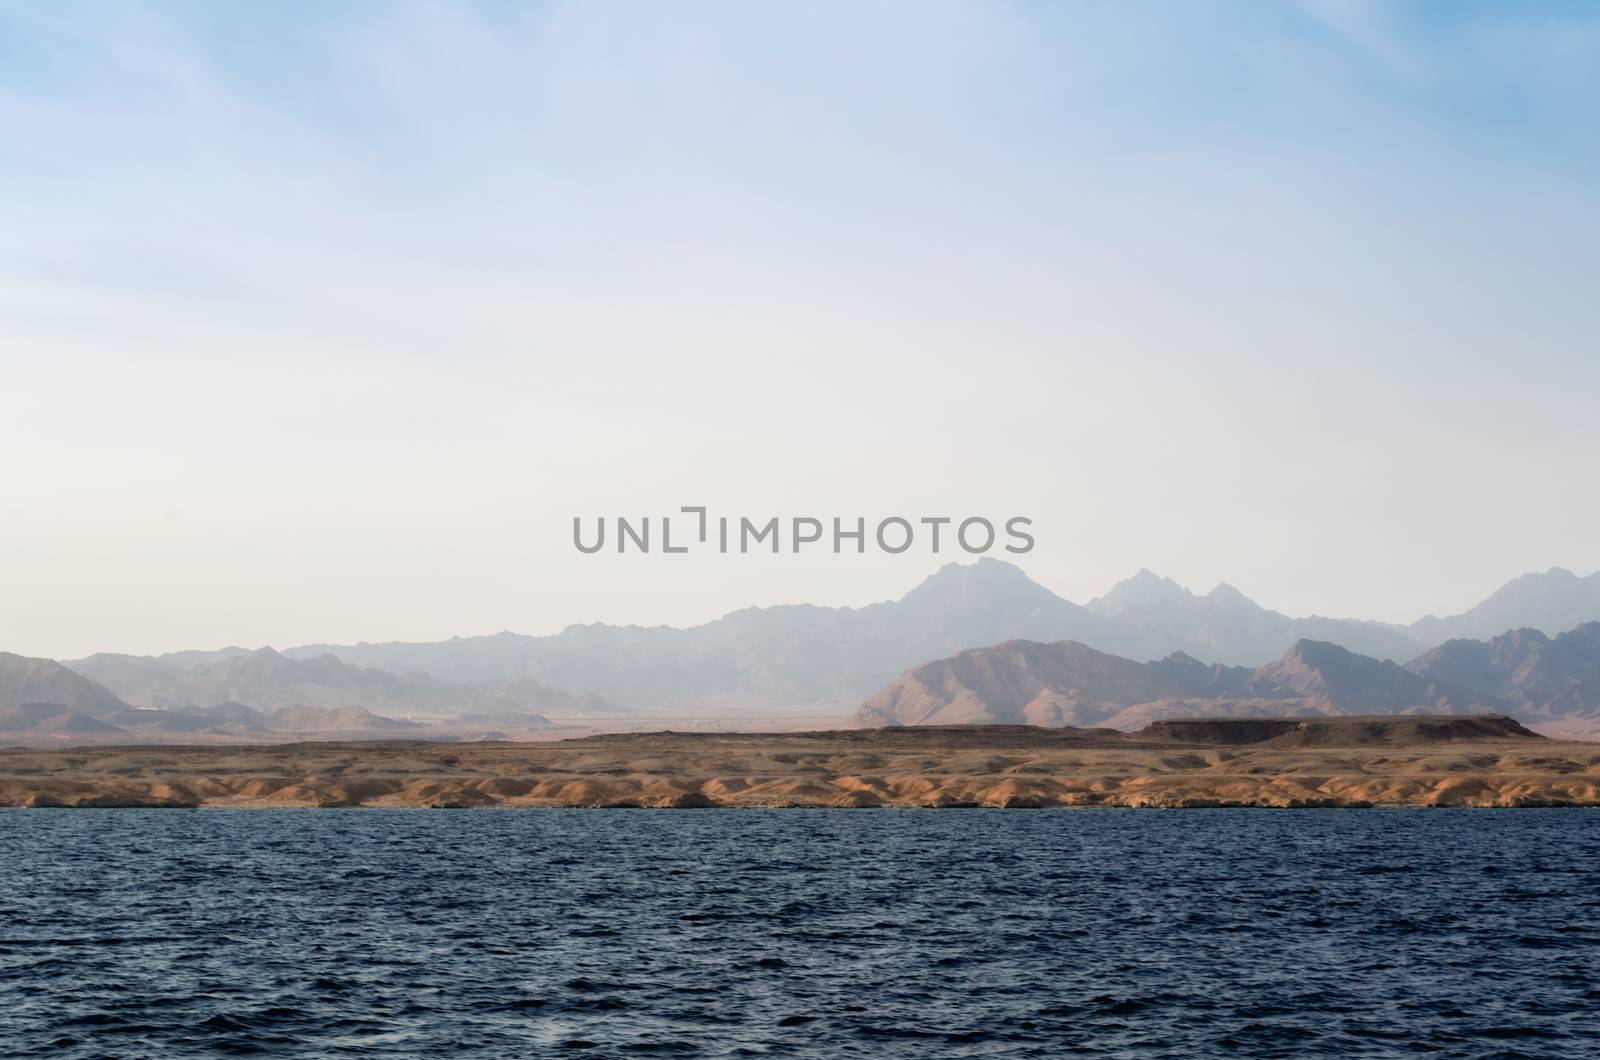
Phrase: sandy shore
[1379,763]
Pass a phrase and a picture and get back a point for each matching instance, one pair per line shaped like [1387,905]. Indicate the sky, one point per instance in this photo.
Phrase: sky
[321,321]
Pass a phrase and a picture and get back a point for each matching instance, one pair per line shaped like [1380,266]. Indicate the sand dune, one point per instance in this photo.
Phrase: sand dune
[1412,761]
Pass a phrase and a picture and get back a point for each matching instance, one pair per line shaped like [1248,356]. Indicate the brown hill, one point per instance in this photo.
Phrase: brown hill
[1021,682]
[1346,683]
[1554,681]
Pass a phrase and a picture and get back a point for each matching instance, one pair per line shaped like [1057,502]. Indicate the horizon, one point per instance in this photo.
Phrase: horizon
[322,322]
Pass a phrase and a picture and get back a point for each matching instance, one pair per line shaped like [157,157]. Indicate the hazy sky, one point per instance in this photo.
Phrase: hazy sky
[320,321]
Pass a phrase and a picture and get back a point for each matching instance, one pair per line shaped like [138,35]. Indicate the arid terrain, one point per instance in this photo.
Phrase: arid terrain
[1272,762]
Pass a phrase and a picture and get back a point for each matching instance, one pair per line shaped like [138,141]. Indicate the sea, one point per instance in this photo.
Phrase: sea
[816,933]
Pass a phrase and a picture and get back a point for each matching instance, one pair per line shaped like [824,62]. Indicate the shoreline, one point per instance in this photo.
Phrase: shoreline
[1343,763]
[1191,807]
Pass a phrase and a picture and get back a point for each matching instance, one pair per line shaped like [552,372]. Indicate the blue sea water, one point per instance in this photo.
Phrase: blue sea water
[953,933]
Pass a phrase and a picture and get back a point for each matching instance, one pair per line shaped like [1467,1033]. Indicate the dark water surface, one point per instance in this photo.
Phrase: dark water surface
[1115,933]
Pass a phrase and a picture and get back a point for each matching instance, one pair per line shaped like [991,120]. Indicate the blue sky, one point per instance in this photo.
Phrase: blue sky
[321,320]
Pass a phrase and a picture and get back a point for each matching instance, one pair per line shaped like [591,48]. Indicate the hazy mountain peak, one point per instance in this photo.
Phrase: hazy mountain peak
[1225,626]
[984,571]
[26,681]
[1317,650]
[1553,601]
[1161,600]
[1226,593]
[189,660]
[1145,589]
[985,583]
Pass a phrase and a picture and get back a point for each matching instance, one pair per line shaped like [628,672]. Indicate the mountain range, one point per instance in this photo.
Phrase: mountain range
[1225,626]
[1026,683]
[265,679]
[1553,682]
[1550,683]
[241,693]
[764,657]
[1552,603]
[759,657]
[767,663]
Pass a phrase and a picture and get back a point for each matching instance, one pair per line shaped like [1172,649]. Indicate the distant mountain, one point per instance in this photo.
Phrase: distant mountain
[1552,602]
[510,699]
[765,658]
[144,720]
[767,661]
[188,660]
[18,719]
[1228,627]
[265,680]
[1070,684]
[1555,681]
[1347,683]
[199,698]
[25,681]
[50,723]
[762,657]
[233,717]
[1024,682]
[70,723]
[333,719]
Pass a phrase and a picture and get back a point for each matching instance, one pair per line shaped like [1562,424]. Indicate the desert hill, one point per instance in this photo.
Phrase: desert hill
[1342,682]
[1550,680]
[1022,682]
[25,681]
[1324,762]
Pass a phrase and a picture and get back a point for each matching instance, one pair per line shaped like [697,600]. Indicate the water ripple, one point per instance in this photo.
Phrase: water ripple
[956,933]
